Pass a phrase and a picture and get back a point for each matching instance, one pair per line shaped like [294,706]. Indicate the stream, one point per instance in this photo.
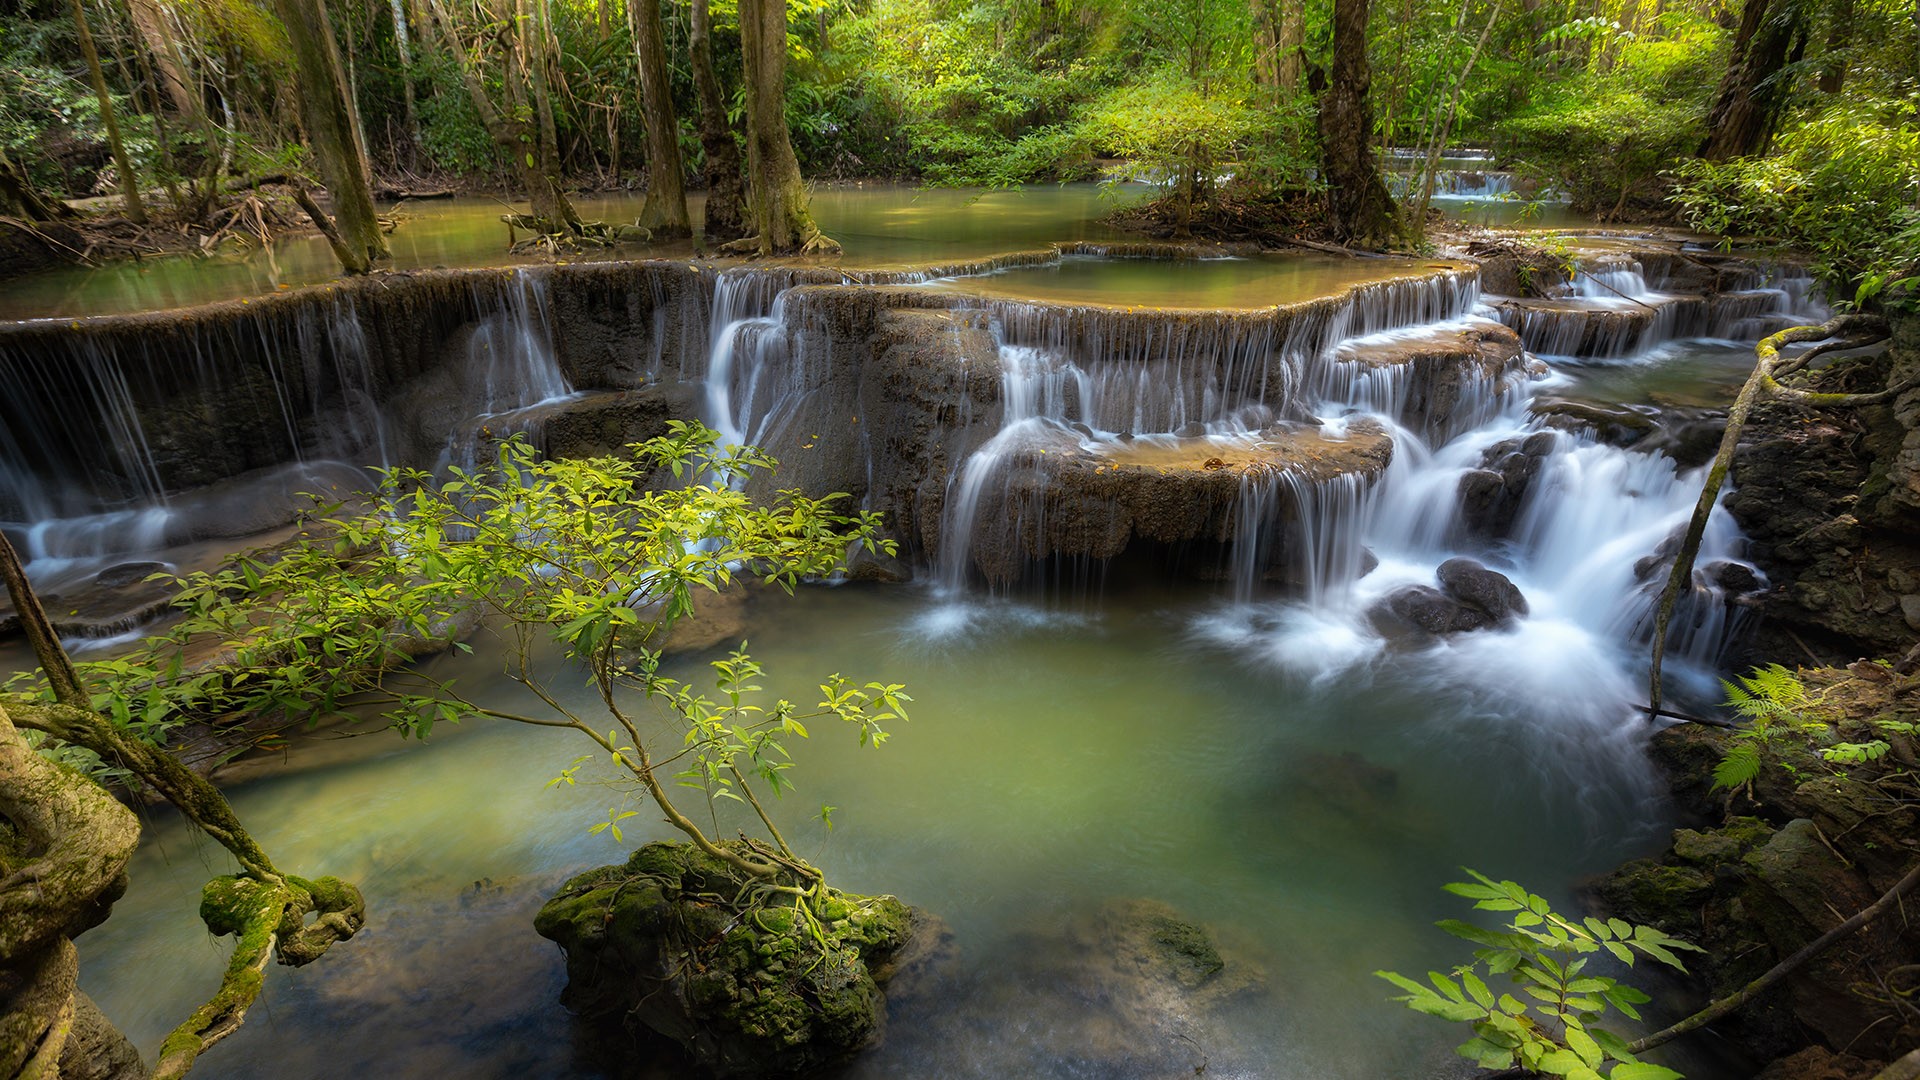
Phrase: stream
[1240,740]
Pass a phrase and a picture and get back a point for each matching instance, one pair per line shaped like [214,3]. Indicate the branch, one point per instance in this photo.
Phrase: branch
[39,630]
[1784,968]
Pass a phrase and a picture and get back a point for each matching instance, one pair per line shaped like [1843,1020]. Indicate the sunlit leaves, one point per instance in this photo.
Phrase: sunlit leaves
[1549,1025]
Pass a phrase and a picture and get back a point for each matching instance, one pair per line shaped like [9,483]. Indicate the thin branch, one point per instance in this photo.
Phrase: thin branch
[1784,968]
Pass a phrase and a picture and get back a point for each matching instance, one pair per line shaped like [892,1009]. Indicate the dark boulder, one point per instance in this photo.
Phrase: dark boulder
[1486,591]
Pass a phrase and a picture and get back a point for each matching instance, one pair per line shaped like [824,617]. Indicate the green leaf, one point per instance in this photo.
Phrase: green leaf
[1581,1043]
[1640,1070]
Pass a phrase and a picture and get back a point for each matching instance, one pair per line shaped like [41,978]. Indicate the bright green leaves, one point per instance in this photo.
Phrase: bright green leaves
[578,567]
[1547,1024]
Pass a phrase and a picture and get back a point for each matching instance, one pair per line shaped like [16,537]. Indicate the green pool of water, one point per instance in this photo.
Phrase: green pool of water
[1203,284]
[1053,761]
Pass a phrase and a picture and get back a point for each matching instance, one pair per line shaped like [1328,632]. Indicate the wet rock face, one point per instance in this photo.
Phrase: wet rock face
[216,391]
[1451,379]
[1059,495]
[759,990]
[1830,502]
[1802,847]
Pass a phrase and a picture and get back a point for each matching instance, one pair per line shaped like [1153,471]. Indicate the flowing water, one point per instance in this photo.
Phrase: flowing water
[1261,757]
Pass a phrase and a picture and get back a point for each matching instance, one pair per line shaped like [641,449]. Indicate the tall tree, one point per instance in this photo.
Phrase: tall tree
[1751,94]
[1362,209]
[778,201]
[129,180]
[665,211]
[726,187]
[333,136]
[518,141]
[1292,34]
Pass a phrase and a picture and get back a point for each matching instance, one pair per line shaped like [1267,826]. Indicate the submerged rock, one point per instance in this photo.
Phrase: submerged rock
[759,987]
[1130,990]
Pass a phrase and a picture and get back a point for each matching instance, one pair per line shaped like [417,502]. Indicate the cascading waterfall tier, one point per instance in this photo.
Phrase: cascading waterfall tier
[1295,447]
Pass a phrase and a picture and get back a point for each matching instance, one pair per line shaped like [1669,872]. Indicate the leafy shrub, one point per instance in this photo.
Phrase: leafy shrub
[1841,186]
[1602,151]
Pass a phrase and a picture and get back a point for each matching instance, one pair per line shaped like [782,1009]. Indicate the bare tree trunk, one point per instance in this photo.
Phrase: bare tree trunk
[666,208]
[779,195]
[1417,221]
[1292,35]
[148,21]
[129,180]
[332,133]
[1266,46]
[726,186]
[1362,209]
[404,46]
[1749,99]
[510,134]
[1833,70]
[19,199]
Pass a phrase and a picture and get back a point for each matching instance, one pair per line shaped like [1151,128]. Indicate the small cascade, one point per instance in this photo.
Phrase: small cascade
[1621,308]
[512,374]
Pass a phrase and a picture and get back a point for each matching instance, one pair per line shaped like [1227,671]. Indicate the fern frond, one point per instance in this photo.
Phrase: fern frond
[1740,766]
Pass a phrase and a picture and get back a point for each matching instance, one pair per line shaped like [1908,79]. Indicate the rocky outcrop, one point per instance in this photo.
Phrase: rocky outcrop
[677,943]
[1438,381]
[1059,493]
[1793,854]
[1830,501]
[1491,496]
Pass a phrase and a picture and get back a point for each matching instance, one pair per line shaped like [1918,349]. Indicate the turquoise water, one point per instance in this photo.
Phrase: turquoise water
[1054,760]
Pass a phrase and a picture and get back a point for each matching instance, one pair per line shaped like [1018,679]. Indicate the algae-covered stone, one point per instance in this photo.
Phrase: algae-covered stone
[751,981]
[1654,893]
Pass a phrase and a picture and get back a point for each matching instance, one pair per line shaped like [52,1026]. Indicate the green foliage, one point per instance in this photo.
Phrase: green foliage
[1633,104]
[1551,1025]
[1841,185]
[1602,150]
[1774,703]
[583,555]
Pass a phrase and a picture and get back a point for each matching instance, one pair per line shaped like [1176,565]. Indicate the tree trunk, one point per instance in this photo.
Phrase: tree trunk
[19,199]
[129,180]
[1833,69]
[1749,99]
[1291,36]
[779,195]
[150,23]
[1362,209]
[331,132]
[404,46]
[726,187]
[1266,46]
[665,211]
[511,135]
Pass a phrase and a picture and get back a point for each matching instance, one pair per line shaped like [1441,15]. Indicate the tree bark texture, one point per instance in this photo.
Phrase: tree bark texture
[778,200]
[665,211]
[332,134]
[129,180]
[1749,99]
[1292,34]
[726,186]
[1362,209]
[512,136]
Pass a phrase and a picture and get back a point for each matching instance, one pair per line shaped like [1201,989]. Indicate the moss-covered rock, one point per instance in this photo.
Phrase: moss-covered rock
[750,980]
